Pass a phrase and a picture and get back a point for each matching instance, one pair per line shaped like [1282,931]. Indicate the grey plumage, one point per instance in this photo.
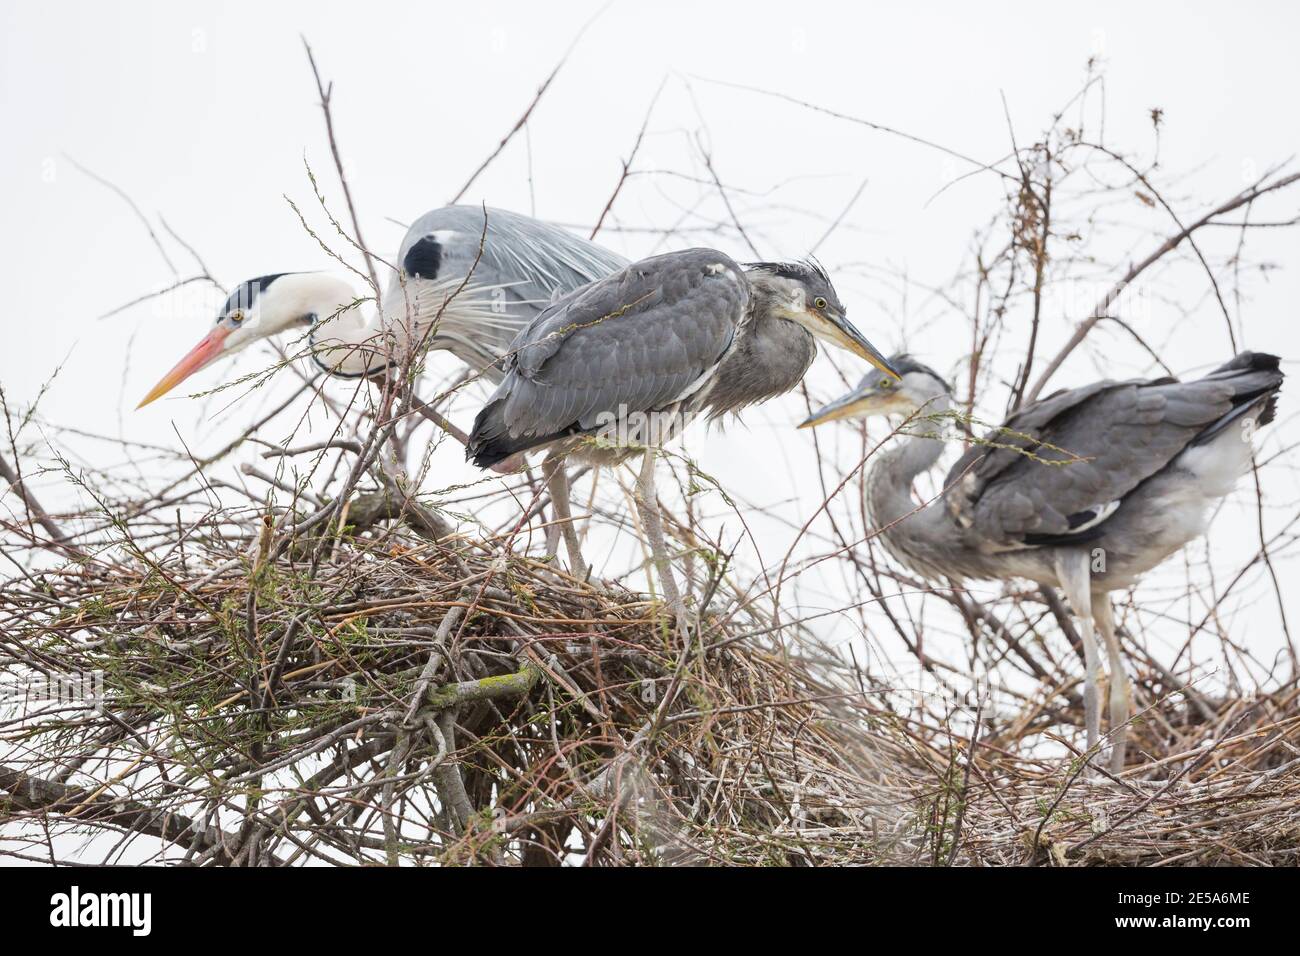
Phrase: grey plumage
[773,356]
[523,265]
[1086,489]
[633,357]
[690,332]
[1112,435]
[645,339]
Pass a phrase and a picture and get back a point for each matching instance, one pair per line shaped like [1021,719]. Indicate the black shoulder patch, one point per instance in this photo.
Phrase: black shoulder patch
[424,260]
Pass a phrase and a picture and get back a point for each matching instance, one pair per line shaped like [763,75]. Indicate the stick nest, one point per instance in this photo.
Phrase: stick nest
[442,701]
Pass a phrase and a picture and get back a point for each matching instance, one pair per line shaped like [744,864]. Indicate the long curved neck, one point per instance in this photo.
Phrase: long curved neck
[769,358]
[474,321]
[343,333]
[913,535]
[889,483]
[467,319]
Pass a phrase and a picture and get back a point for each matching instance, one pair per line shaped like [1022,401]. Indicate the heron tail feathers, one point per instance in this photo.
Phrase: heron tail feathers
[1256,379]
[490,441]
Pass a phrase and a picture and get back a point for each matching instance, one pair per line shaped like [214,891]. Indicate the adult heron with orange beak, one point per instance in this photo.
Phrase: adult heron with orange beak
[470,279]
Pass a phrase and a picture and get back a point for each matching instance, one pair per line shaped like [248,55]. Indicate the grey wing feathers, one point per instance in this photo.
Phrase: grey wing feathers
[524,264]
[638,340]
[1106,439]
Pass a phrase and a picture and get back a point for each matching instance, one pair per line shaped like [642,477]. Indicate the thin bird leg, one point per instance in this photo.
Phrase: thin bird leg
[1104,615]
[1072,570]
[557,481]
[647,503]
[549,468]
[552,538]
[549,465]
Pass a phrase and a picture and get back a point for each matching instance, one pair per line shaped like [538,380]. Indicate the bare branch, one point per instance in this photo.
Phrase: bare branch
[325,93]
[523,119]
[1102,308]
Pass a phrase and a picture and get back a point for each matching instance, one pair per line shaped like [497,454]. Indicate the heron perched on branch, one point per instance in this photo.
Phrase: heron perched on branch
[617,367]
[470,279]
[1087,489]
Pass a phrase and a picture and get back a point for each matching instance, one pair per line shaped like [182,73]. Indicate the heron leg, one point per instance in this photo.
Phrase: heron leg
[1104,615]
[552,539]
[647,503]
[549,466]
[557,480]
[1072,571]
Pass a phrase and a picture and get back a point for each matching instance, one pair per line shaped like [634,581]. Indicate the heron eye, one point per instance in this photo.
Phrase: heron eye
[236,317]
[819,302]
[886,383]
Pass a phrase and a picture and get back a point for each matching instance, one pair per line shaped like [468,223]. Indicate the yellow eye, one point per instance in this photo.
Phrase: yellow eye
[886,383]
[819,302]
[236,317]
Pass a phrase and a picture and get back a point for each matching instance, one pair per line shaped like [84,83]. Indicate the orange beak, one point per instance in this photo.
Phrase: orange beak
[200,356]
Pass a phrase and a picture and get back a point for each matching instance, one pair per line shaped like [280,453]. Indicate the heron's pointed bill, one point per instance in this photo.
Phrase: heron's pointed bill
[857,402]
[201,355]
[843,333]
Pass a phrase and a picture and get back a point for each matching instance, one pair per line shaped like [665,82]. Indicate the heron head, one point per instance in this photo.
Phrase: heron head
[802,293]
[257,309]
[918,386]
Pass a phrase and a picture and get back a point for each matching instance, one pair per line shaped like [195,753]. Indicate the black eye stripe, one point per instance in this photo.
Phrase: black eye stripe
[246,293]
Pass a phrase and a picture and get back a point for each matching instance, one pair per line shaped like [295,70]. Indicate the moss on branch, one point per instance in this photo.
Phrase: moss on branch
[517,684]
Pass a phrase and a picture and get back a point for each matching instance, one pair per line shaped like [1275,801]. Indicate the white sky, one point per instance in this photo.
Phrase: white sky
[202,113]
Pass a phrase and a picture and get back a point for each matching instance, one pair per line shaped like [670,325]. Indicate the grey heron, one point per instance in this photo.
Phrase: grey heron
[624,363]
[1086,489]
[523,264]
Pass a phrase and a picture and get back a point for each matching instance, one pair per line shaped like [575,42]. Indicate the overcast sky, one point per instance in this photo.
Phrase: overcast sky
[203,113]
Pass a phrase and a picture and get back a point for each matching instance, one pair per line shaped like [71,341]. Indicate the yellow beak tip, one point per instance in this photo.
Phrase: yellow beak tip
[199,357]
[884,367]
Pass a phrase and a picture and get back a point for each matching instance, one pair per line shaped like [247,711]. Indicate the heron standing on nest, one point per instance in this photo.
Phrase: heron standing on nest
[1086,490]
[619,366]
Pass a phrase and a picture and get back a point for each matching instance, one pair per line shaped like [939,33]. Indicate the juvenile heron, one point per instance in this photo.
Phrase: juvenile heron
[630,359]
[523,265]
[1140,465]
